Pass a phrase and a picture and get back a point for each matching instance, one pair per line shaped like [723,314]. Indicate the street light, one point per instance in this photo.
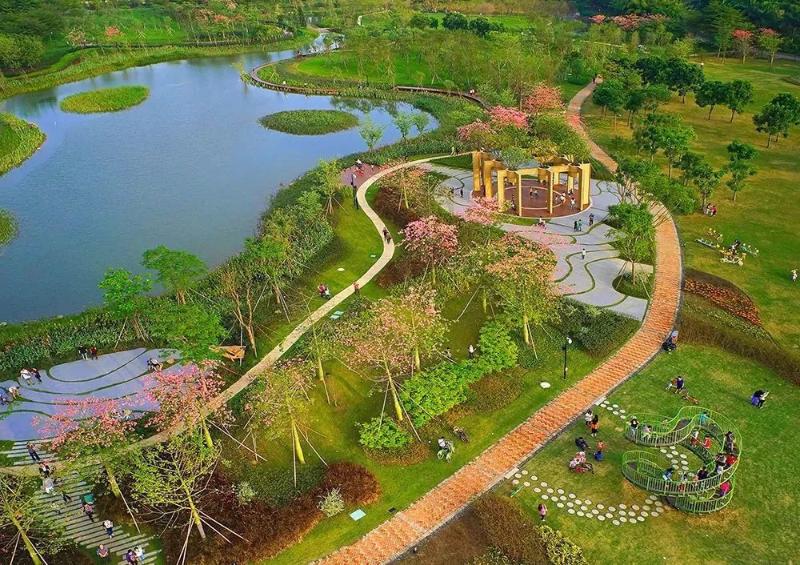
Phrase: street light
[565,347]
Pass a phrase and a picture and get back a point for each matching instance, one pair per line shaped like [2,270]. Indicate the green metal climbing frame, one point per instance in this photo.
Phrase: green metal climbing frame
[645,469]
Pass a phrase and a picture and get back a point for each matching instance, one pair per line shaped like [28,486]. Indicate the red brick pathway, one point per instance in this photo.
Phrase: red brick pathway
[407,528]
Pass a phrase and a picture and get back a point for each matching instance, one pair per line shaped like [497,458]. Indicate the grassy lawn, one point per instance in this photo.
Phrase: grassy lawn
[142,25]
[764,215]
[18,141]
[309,122]
[105,99]
[761,523]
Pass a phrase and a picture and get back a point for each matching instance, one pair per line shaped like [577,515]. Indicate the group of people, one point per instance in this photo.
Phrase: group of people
[323,291]
[9,394]
[87,352]
[577,225]
[759,398]
[710,210]
[134,556]
[28,374]
[578,463]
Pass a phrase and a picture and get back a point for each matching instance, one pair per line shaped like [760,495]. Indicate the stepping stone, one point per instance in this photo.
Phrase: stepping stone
[587,502]
[525,472]
[518,476]
[622,506]
[644,514]
[560,504]
[609,515]
[615,405]
[526,483]
[545,384]
[533,477]
[544,484]
[658,503]
[646,508]
[545,497]
[515,482]
[600,506]
[615,412]
[562,497]
[570,504]
[340,269]
[631,513]
[601,518]
[612,509]
[635,507]
[560,491]
[621,411]
[615,522]
[595,511]
[683,456]
[662,450]
[623,519]
[640,518]
[579,513]
[572,495]
[571,511]
[537,489]
[585,508]
[654,514]
[549,491]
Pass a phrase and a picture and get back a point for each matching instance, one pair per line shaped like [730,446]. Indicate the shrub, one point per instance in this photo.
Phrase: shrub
[494,391]
[382,433]
[497,347]
[492,557]
[560,550]
[245,493]
[599,331]
[509,529]
[436,390]
[331,503]
[276,486]
[355,483]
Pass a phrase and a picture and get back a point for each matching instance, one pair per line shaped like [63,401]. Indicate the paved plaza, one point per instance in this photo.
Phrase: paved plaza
[588,280]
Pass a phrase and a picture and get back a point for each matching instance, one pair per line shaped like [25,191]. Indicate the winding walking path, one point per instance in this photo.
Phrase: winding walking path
[410,526]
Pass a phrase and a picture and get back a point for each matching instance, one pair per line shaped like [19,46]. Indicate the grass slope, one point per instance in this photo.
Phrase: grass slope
[18,141]
[761,523]
[309,122]
[105,99]
[765,214]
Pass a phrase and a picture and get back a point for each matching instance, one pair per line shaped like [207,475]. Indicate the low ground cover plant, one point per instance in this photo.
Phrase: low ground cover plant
[105,100]
[309,122]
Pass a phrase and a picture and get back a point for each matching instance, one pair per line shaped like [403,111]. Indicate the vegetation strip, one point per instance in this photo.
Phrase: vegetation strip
[18,141]
[407,528]
[309,122]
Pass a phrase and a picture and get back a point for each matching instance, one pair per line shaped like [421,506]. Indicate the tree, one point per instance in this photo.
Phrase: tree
[177,270]
[243,295]
[22,516]
[420,120]
[523,284]
[515,157]
[417,316]
[330,182]
[653,70]
[630,172]
[171,479]
[711,93]
[739,166]
[185,398]
[543,98]
[738,94]
[403,122]
[770,41]
[782,112]
[432,240]
[92,429]
[480,26]
[122,294]
[193,329]
[610,95]
[278,400]
[683,76]
[454,21]
[634,234]
[724,19]
[743,40]
[666,132]
[699,173]
[370,132]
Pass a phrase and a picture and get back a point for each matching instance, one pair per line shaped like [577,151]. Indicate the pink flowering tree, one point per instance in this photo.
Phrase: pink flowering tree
[502,116]
[484,211]
[432,240]
[477,133]
[743,39]
[186,398]
[92,429]
[416,316]
[376,342]
[770,41]
[278,401]
[543,98]
[523,283]
[598,19]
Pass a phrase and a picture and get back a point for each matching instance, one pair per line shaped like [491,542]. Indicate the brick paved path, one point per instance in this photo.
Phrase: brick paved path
[443,502]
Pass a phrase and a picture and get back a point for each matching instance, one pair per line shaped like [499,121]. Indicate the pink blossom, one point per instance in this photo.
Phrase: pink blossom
[474,131]
[431,238]
[92,423]
[183,396]
[112,31]
[742,35]
[542,98]
[483,211]
[597,19]
[504,116]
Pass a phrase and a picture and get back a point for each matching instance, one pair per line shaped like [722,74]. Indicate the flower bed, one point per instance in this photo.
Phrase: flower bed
[730,299]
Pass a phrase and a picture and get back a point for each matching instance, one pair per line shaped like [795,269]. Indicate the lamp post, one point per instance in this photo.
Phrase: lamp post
[565,347]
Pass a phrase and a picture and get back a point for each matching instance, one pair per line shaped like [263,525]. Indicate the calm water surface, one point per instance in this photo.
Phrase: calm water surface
[189,168]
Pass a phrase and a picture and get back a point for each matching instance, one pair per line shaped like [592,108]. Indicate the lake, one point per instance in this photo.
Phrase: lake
[190,168]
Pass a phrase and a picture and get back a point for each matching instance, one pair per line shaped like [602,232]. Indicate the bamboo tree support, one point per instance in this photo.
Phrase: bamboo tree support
[34,555]
[298,448]
[198,522]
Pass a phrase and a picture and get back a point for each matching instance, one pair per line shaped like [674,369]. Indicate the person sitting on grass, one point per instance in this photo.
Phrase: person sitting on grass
[581,444]
[598,454]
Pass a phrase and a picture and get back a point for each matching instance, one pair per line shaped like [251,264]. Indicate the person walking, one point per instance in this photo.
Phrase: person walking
[542,511]
[594,427]
[32,452]
[583,254]
[93,352]
[387,236]
[575,225]
[83,353]
[109,526]
[356,288]
[139,552]
[471,351]
[88,509]
[588,417]
[794,275]
[591,220]
[580,224]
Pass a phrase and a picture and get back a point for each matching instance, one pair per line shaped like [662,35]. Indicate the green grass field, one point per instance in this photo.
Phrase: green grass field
[105,100]
[18,141]
[765,214]
[761,523]
[309,122]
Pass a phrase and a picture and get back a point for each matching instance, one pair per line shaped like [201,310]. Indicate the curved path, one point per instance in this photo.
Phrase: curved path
[410,526]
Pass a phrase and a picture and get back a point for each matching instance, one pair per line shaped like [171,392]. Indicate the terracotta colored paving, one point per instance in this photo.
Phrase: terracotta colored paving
[408,527]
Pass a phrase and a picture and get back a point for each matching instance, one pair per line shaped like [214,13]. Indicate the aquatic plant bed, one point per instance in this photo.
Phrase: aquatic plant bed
[309,122]
[18,141]
[105,100]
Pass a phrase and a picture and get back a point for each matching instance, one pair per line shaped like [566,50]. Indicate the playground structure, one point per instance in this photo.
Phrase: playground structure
[561,178]
[645,469]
